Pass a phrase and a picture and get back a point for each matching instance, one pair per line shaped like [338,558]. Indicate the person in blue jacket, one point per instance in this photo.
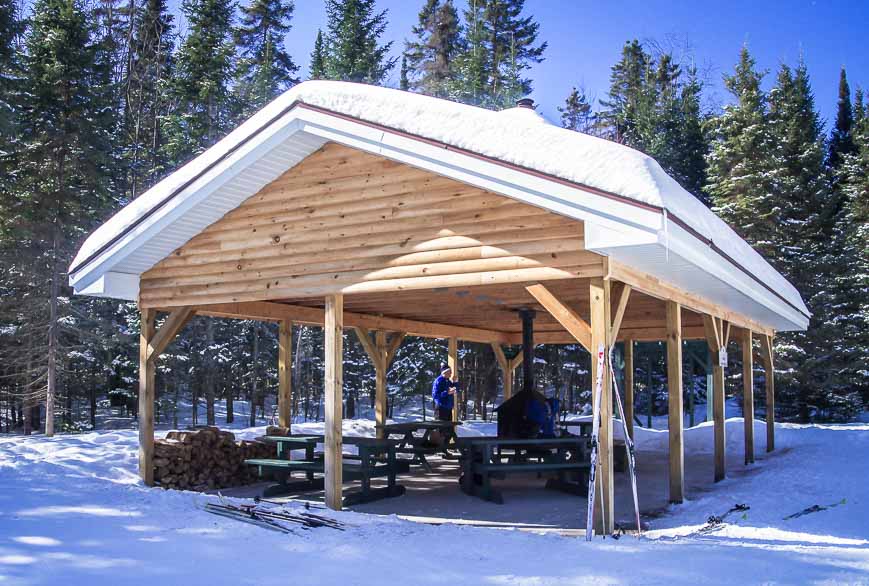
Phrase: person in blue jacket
[543,414]
[443,392]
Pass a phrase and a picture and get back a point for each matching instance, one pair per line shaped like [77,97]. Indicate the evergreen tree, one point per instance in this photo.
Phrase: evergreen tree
[61,162]
[204,109]
[841,138]
[265,69]
[740,161]
[576,112]
[11,28]
[403,81]
[470,75]
[805,240]
[500,46]
[353,49]
[854,244]
[437,42]
[147,98]
[318,58]
[654,106]
[693,146]
[626,97]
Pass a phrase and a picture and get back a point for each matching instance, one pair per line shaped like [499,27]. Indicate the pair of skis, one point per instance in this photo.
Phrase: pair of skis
[602,360]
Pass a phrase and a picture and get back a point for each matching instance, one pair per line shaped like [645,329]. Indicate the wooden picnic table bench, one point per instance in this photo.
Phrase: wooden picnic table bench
[362,467]
[415,438]
[583,428]
[486,458]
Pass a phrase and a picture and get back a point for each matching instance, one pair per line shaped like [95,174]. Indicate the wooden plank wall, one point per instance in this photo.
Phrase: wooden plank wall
[351,222]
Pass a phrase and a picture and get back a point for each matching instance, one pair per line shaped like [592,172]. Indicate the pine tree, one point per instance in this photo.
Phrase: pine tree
[318,58]
[740,161]
[147,97]
[625,102]
[576,112]
[403,81]
[854,244]
[61,162]
[805,240]
[693,146]
[204,109]
[437,42]
[10,30]
[265,69]
[841,138]
[500,46]
[653,105]
[354,52]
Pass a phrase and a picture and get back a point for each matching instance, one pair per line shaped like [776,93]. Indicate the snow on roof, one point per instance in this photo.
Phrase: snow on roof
[517,136]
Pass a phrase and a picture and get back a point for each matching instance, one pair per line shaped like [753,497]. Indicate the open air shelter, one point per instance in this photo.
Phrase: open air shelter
[394,214]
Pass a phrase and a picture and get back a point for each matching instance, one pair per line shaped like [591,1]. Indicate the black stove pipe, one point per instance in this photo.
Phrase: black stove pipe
[527,316]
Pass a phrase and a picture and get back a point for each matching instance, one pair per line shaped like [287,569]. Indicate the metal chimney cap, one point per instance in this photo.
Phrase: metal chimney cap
[525,103]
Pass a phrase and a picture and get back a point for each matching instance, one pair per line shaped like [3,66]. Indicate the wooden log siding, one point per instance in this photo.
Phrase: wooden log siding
[350,222]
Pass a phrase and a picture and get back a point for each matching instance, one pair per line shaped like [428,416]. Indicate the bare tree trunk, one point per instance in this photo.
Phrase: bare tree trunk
[297,372]
[209,373]
[230,398]
[177,380]
[254,375]
[54,294]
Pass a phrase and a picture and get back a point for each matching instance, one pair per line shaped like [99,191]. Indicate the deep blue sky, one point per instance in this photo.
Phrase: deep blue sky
[585,39]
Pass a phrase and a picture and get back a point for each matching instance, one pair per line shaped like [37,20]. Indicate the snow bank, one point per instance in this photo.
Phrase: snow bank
[71,506]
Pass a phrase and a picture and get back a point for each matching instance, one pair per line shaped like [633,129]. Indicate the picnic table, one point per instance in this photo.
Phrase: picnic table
[367,464]
[583,428]
[415,438]
[486,458]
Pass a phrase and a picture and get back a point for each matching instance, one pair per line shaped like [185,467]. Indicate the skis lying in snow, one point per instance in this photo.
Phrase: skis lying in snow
[595,433]
[814,509]
[245,517]
[629,447]
[716,522]
[268,518]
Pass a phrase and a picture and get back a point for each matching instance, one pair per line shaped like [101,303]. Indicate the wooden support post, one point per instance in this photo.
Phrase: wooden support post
[453,363]
[604,519]
[675,423]
[381,406]
[334,345]
[508,367]
[769,375]
[629,386]
[381,354]
[717,338]
[147,372]
[748,394]
[285,360]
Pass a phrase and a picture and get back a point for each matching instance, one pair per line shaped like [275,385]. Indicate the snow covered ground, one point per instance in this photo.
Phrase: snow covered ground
[72,511]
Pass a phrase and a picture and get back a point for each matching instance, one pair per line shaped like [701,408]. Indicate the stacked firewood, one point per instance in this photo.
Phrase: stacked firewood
[205,459]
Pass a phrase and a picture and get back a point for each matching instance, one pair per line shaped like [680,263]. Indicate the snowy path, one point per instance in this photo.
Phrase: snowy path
[71,510]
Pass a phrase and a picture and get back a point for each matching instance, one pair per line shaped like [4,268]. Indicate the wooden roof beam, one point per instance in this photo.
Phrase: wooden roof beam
[271,311]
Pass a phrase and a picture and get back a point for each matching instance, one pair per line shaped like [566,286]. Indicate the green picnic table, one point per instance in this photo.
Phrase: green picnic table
[584,427]
[415,438]
[367,464]
[486,458]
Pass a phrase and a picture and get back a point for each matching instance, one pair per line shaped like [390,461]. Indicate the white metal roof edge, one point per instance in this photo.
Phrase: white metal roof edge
[638,223]
[685,245]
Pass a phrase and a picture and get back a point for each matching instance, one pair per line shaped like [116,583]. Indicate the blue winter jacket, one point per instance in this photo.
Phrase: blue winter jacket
[543,414]
[440,392]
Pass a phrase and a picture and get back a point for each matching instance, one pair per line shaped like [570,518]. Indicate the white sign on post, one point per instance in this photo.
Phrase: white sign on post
[722,357]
